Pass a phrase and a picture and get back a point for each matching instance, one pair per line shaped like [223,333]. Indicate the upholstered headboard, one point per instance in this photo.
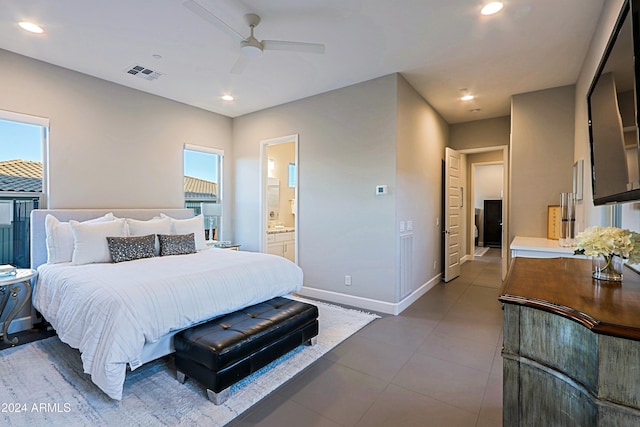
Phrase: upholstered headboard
[38,236]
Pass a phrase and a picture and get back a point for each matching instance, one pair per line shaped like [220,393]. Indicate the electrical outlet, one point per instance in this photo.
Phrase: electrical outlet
[347,280]
[435,265]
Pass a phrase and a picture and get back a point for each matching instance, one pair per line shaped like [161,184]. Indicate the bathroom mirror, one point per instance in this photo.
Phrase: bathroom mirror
[273,199]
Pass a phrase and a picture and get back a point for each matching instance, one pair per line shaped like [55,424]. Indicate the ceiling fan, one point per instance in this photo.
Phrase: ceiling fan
[251,47]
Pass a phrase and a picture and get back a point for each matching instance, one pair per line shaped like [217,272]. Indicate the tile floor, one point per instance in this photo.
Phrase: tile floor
[436,364]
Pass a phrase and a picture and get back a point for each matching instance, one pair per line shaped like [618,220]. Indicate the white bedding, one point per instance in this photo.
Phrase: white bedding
[108,311]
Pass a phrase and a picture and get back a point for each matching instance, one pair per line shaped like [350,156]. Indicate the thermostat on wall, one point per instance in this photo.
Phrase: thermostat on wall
[382,189]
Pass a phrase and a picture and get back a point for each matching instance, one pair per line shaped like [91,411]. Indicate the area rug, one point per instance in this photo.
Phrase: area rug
[42,383]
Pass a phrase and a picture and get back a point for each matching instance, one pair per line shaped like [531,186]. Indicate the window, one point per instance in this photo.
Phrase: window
[203,186]
[22,184]
[292,175]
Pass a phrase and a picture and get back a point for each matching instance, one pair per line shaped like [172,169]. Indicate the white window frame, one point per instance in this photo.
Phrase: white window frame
[220,195]
[44,123]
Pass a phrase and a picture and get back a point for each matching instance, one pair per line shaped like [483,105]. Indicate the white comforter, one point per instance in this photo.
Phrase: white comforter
[109,311]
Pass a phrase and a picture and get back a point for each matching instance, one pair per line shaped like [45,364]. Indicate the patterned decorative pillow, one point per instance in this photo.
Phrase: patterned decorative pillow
[130,248]
[177,244]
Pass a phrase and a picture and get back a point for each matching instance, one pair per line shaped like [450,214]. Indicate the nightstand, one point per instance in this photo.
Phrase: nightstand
[9,288]
[223,245]
[232,247]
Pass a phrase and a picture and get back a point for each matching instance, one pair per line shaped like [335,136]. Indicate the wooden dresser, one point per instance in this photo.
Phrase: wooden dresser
[571,352]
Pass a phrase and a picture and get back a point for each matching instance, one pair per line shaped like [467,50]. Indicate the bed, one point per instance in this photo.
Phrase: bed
[124,314]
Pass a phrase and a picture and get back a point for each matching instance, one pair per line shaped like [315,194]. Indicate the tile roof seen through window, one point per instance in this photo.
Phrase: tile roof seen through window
[21,175]
[196,188]
[26,176]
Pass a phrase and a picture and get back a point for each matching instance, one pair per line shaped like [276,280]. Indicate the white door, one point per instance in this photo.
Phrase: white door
[452,215]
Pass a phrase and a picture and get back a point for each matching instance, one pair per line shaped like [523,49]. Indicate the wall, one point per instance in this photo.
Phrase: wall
[109,146]
[351,140]
[542,136]
[481,133]
[347,146]
[422,136]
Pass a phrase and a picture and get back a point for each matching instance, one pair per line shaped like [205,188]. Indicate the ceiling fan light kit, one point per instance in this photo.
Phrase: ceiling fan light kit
[251,48]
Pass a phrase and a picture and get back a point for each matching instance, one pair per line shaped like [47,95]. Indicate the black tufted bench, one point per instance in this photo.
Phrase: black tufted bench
[225,350]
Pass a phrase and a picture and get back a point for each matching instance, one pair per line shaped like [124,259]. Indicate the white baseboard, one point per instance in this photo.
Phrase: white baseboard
[368,303]
[415,295]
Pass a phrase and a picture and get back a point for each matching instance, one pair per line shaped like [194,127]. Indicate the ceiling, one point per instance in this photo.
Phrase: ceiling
[439,46]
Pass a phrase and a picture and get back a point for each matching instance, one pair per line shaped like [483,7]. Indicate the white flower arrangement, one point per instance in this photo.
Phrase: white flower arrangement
[609,241]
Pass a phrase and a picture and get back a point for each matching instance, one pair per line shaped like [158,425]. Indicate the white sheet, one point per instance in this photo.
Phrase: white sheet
[109,311]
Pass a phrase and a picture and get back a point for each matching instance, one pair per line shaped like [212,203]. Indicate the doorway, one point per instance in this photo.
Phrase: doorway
[487,193]
[492,223]
[279,201]
[488,166]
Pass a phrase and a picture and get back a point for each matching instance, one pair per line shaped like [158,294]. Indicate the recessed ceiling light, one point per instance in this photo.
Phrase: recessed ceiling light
[492,8]
[466,98]
[31,27]
[227,97]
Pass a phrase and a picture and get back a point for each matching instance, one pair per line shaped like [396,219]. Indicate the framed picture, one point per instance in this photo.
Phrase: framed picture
[554,217]
[578,174]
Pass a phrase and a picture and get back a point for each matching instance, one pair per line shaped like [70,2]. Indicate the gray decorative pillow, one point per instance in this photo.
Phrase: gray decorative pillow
[177,244]
[130,248]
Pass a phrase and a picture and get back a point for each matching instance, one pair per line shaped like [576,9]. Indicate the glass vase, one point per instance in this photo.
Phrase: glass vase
[568,220]
[607,267]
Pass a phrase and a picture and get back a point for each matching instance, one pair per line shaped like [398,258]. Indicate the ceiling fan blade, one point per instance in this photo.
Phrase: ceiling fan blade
[293,46]
[240,64]
[212,19]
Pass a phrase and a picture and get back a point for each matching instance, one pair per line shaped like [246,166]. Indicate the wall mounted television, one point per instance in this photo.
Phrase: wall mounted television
[613,108]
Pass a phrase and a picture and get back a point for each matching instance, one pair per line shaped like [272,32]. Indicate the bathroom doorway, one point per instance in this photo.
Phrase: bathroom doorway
[279,202]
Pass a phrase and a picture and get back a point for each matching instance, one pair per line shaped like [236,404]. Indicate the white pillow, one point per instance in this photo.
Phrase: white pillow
[59,238]
[153,226]
[193,225]
[90,240]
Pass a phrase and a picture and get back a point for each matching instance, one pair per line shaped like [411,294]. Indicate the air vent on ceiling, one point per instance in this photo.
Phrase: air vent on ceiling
[145,73]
